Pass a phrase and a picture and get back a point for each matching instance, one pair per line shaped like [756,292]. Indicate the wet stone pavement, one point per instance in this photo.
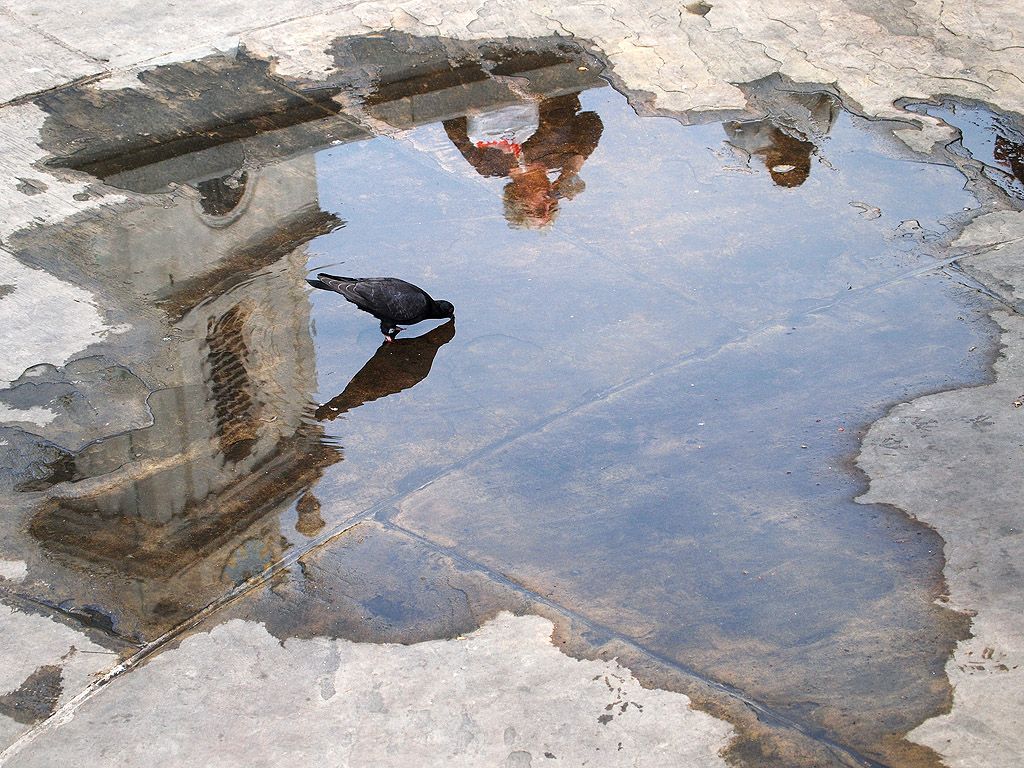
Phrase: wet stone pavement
[669,341]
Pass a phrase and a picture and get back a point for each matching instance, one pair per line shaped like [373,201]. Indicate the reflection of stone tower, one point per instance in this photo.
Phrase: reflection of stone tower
[163,519]
[187,507]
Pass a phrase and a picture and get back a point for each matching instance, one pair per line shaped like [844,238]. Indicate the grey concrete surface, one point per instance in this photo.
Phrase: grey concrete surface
[504,694]
[245,698]
[949,459]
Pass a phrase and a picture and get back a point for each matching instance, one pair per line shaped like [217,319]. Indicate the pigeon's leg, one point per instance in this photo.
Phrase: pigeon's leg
[389,329]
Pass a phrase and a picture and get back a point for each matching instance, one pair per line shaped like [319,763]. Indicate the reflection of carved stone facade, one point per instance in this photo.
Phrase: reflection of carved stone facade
[188,506]
[163,519]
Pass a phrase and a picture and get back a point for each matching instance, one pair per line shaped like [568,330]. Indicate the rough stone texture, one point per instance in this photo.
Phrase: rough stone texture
[952,461]
[44,319]
[122,36]
[13,570]
[1001,264]
[430,704]
[86,399]
[688,62]
[37,61]
[952,465]
[35,650]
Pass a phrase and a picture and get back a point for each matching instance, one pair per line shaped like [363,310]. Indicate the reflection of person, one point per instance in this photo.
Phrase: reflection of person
[394,367]
[527,143]
[787,158]
[783,142]
[1010,155]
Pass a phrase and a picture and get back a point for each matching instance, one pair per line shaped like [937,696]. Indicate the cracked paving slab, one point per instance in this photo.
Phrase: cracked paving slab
[952,461]
[241,694]
[36,62]
[43,662]
[670,60]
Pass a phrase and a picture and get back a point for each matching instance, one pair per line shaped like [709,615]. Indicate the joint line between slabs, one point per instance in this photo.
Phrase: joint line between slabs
[764,712]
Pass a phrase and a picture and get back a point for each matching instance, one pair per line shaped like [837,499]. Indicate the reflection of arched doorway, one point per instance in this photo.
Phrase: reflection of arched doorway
[223,199]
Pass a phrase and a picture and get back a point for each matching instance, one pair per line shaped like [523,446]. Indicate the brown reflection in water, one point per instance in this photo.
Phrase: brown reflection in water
[185,115]
[221,195]
[188,507]
[788,159]
[783,142]
[563,140]
[230,385]
[153,524]
[526,133]
[1010,154]
[309,521]
[394,367]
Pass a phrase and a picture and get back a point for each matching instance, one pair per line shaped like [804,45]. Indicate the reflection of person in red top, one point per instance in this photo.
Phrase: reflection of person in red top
[559,139]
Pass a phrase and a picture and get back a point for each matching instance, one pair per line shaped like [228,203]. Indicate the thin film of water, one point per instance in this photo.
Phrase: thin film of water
[667,342]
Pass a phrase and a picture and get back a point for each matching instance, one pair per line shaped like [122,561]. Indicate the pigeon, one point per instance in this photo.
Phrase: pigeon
[390,300]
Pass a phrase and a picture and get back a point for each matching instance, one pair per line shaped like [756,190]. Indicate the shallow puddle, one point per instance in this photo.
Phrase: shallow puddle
[991,138]
[667,342]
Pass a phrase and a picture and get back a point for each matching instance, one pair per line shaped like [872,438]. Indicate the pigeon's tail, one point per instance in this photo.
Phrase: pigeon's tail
[324,281]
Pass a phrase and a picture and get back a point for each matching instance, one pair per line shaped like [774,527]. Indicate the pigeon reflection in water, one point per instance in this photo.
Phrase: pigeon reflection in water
[394,367]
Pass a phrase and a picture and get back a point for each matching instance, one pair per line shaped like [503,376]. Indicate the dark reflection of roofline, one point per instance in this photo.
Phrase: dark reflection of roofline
[239,265]
[105,164]
[455,74]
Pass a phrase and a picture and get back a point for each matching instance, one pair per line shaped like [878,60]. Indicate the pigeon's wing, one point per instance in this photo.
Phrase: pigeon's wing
[393,299]
[384,297]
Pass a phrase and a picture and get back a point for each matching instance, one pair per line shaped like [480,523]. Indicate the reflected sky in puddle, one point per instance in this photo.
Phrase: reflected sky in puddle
[989,137]
[668,340]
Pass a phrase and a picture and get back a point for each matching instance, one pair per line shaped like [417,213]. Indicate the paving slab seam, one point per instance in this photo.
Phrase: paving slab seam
[28,98]
[955,272]
[44,605]
[50,37]
[67,711]
[764,712]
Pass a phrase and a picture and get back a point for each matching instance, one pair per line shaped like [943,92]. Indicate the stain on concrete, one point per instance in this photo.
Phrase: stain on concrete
[36,698]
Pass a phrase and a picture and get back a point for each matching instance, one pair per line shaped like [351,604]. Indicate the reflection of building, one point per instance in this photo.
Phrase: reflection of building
[185,508]
[785,140]
[150,525]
